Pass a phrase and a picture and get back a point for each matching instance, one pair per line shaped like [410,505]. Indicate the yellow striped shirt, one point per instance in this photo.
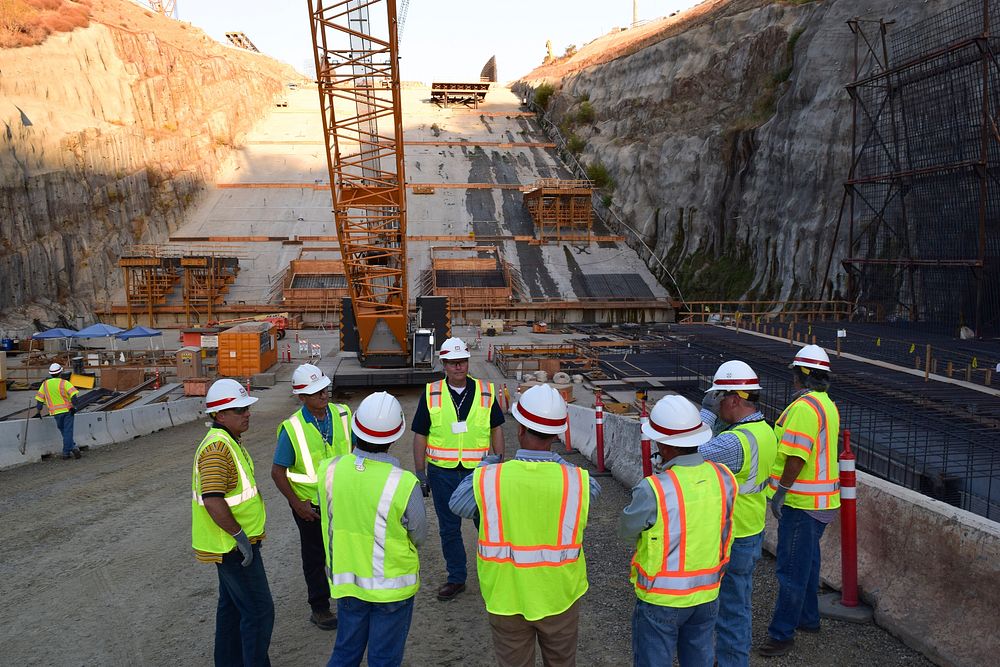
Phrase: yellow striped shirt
[218,475]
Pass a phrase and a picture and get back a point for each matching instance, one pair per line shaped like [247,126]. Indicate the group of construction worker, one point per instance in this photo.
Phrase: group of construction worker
[696,524]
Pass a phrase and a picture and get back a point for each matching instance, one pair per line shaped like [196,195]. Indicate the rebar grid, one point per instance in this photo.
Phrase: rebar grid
[941,30]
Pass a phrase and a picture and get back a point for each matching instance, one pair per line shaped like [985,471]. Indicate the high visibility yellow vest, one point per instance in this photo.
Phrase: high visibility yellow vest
[244,502]
[809,428]
[679,560]
[310,448]
[57,394]
[759,450]
[369,554]
[531,520]
[446,448]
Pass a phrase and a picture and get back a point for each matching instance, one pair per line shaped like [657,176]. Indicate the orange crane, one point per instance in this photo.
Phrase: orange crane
[356,47]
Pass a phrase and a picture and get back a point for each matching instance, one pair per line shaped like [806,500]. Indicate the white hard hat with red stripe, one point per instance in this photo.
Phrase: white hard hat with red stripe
[541,409]
[812,356]
[308,379]
[225,394]
[454,349]
[379,419]
[735,376]
[676,421]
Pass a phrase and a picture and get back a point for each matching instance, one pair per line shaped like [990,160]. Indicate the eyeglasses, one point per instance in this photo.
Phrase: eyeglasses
[240,411]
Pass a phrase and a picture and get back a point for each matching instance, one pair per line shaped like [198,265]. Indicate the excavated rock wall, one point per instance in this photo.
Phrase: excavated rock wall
[729,142]
[109,135]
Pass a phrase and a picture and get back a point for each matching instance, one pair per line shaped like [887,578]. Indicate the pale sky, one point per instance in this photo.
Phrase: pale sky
[441,39]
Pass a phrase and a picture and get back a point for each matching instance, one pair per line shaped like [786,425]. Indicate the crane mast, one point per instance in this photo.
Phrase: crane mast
[355,44]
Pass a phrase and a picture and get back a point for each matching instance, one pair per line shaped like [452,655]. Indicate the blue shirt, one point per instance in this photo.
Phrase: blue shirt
[463,501]
[284,453]
[725,448]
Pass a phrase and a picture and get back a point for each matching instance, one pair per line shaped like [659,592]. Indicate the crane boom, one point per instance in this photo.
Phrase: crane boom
[355,44]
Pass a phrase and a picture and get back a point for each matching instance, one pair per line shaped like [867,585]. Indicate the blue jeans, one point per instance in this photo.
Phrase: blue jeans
[245,617]
[64,422]
[379,627]
[733,626]
[659,633]
[443,482]
[798,574]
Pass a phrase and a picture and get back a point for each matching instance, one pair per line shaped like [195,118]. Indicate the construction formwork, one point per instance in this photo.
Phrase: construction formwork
[561,209]
[206,282]
[315,285]
[148,281]
[474,278]
[924,214]
[469,94]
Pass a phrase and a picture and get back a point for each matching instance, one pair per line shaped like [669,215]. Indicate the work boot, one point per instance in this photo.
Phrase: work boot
[774,647]
[324,619]
[66,457]
[449,591]
[77,453]
[814,630]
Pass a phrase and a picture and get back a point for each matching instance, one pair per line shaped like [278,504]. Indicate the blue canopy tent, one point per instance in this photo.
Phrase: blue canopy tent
[57,332]
[100,330]
[139,332]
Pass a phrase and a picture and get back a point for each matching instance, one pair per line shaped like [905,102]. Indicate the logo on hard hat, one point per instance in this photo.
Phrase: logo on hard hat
[243,392]
[313,377]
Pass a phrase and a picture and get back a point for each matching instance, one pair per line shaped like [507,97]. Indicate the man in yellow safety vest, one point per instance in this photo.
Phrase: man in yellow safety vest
[680,521]
[533,511]
[60,397]
[457,422]
[373,520]
[747,447]
[320,430]
[227,527]
[805,496]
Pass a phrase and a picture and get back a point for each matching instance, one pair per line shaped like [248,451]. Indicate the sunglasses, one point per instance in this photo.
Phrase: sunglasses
[240,411]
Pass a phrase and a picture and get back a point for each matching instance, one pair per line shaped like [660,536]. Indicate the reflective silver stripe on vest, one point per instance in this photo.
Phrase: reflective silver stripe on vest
[673,559]
[328,490]
[382,522]
[808,489]
[728,489]
[345,421]
[490,475]
[374,583]
[573,492]
[822,441]
[750,486]
[245,495]
[795,439]
[302,451]
[678,584]
[529,556]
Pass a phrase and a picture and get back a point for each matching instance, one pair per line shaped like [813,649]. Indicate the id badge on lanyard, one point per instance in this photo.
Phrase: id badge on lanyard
[459,427]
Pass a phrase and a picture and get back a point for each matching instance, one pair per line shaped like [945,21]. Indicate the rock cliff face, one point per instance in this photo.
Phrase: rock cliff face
[109,133]
[729,139]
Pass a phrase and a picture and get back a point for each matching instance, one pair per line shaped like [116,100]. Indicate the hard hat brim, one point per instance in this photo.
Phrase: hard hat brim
[534,426]
[732,388]
[313,387]
[456,356]
[694,438]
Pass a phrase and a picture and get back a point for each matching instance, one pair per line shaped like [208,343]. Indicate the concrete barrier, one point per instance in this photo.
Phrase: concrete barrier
[930,571]
[90,429]
[120,425]
[186,410]
[151,418]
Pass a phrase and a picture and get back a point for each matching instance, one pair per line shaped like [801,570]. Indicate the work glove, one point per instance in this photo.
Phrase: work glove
[243,544]
[425,488]
[778,501]
[711,401]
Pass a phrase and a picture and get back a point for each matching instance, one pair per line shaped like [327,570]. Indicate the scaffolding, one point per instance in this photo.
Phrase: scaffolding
[469,94]
[148,281]
[561,209]
[241,41]
[206,282]
[924,212]
[474,278]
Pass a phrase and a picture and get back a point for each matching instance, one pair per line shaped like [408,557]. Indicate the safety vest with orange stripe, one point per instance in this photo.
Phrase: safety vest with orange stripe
[679,560]
[445,447]
[57,394]
[244,502]
[310,447]
[532,518]
[808,429]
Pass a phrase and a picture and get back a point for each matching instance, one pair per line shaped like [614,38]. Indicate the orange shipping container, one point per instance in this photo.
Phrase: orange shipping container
[247,349]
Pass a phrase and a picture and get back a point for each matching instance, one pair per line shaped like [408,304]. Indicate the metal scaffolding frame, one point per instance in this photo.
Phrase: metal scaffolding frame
[924,212]
[561,209]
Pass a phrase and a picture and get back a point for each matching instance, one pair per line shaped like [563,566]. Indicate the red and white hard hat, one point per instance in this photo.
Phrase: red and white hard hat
[55,369]
[225,394]
[454,349]
[379,419]
[541,408]
[676,421]
[812,356]
[308,379]
[735,376]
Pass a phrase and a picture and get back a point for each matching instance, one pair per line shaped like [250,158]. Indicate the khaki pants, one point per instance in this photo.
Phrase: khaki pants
[514,639]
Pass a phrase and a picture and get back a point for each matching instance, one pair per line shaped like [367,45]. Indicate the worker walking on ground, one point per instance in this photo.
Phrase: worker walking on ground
[60,397]
[680,521]
[227,527]
[457,422]
[319,430]
[533,510]
[373,520]
[747,447]
[804,487]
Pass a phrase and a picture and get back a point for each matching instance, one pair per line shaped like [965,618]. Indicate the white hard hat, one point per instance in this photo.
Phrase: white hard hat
[308,379]
[541,408]
[379,419]
[812,356]
[676,421]
[225,394]
[55,369]
[454,349]
[735,376]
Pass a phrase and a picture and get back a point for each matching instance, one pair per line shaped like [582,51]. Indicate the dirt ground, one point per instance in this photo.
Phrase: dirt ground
[96,568]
